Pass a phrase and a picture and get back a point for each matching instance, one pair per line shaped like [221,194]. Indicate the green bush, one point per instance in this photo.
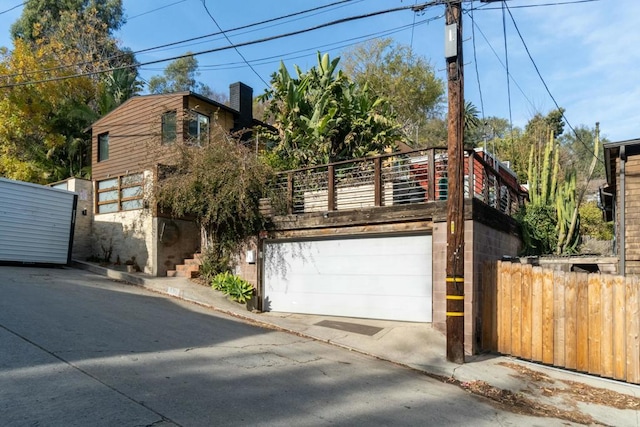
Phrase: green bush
[235,287]
[592,223]
[539,232]
[212,263]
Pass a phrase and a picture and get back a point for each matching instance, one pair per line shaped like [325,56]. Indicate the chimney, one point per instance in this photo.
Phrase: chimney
[241,100]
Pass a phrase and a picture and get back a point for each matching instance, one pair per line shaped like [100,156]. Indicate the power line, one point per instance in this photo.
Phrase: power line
[475,62]
[204,3]
[311,12]
[243,27]
[506,60]
[155,10]
[560,3]
[502,63]
[544,83]
[155,48]
[338,45]
[14,7]
[248,43]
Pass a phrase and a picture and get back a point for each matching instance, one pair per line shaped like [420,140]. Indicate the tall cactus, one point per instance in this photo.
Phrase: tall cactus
[546,177]
[544,190]
[566,208]
[575,220]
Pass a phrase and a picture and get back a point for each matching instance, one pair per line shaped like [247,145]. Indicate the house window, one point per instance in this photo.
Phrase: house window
[198,127]
[169,127]
[122,193]
[103,147]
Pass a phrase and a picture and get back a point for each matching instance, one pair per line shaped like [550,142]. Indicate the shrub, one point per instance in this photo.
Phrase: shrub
[592,223]
[212,264]
[539,232]
[235,287]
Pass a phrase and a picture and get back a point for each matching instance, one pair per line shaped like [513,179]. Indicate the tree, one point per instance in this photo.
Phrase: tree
[219,183]
[493,128]
[471,125]
[41,17]
[39,123]
[43,138]
[116,87]
[514,145]
[322,116]
[180,75]
[580,146]
[406,80]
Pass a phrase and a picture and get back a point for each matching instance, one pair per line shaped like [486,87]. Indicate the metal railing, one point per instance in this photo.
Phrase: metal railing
[419,176]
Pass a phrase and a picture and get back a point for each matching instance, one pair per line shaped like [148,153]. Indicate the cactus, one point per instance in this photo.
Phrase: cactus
[566,208]
[544,190]
[546,177]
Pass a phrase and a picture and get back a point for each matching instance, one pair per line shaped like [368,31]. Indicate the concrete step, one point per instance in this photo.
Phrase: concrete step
[188,274]
[172,273]
[184,267]
[192,261]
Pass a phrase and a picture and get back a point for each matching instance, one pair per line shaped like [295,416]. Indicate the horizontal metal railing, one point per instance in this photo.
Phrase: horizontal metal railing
[419,176]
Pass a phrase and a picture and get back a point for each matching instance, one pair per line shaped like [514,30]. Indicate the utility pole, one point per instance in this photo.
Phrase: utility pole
[455,176]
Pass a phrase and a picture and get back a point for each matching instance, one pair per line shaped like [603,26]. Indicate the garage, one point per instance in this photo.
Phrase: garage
[377,277]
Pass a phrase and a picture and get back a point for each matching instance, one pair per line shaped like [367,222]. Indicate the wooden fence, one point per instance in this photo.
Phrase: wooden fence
[584,322]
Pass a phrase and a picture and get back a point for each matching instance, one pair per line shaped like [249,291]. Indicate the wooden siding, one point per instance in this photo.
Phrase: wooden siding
[584,322]
[215,113]
[632,214]
[135,130]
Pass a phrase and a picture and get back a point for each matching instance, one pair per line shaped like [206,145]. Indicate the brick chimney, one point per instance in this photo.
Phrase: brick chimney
[241,100]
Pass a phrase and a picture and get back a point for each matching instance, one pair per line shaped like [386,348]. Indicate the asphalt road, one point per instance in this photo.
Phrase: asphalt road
[77,349]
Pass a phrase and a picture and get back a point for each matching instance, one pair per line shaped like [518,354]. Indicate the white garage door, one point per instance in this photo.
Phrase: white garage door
[374,277]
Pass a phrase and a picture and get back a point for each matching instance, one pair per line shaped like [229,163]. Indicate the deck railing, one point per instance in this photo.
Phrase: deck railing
[419,176]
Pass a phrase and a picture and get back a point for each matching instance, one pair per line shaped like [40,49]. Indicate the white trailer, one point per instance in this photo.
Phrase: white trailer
[36,223]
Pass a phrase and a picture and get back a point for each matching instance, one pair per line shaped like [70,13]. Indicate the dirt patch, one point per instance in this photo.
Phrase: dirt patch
[526,373]
[519,404]
[600,396]
[576,391]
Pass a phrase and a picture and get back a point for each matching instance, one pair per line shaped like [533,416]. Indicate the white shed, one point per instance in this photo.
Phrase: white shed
[36,223]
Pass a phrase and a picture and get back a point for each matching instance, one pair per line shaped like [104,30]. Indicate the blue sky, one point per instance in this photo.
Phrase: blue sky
[587,52]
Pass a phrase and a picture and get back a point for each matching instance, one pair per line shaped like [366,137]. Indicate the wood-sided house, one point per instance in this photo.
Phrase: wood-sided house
[360,238]
[126,150]
[621,201]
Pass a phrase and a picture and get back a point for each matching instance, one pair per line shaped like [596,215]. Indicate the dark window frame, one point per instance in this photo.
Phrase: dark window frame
[121,185]
[169,127]
[103,147]
[194,122]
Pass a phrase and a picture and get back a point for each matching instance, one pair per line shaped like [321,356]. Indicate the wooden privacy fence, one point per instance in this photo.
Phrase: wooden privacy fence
[585,322]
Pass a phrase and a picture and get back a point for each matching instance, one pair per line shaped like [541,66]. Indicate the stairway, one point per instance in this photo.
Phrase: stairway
[190,268]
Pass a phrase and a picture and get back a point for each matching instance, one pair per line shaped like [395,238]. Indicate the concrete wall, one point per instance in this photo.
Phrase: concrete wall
[125,235]
[482,243]
[247,270]
[82,247]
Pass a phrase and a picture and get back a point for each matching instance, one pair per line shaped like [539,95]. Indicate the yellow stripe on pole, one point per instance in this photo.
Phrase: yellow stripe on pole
[455,279]
[456,297]
[455,313]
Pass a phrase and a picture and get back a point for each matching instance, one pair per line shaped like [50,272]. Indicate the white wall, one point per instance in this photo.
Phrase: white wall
[36,223]
[125,235]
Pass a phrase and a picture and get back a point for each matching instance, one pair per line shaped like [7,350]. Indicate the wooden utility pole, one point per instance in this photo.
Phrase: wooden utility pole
[455,176]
